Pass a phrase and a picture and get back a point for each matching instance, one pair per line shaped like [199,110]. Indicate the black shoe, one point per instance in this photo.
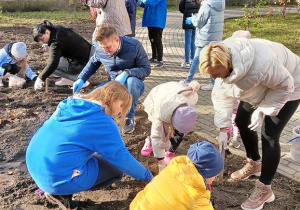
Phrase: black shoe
[152,60]
[63,201]
[158,64]
[128,127]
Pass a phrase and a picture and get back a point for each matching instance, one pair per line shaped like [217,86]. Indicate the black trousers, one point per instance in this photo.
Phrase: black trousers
[270,134]
[176,140]
[155,36]
[10,68]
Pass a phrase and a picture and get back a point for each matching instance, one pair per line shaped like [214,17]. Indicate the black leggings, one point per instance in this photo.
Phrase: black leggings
[270,134]
[176,140]
[155,36]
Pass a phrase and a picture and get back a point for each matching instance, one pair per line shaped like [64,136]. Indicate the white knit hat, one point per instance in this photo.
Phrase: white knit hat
[18,50]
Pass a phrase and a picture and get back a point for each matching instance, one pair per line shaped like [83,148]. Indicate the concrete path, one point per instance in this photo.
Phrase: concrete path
[173,42]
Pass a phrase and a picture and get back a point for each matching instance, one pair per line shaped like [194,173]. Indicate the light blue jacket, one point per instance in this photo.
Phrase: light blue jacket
[209,22]
[5,58]
[155,13]
[67,142]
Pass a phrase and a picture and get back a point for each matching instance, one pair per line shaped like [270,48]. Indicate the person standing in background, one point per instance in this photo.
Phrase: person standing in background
[188,8]
[154,18]
[131,9]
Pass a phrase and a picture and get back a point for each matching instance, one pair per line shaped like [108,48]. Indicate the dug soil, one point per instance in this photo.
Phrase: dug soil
[23,111]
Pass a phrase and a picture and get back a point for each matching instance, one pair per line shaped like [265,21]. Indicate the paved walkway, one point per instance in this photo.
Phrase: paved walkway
[173,41]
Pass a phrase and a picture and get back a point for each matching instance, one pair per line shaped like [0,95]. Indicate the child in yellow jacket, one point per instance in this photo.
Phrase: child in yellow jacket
[182,185]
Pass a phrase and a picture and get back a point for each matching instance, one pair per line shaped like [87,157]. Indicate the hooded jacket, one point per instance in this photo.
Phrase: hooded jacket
[160,104]
[179,186]
[209,22]
[6,58]
[65,145]
[187,8]
[155,13]
[64,42]
[265,74]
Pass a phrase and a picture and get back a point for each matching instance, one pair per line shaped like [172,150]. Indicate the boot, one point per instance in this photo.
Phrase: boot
[251,168]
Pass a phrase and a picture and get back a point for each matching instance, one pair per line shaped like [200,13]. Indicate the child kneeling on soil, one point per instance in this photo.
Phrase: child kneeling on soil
[170,108]
[13,60]
[61,155]
[183,183]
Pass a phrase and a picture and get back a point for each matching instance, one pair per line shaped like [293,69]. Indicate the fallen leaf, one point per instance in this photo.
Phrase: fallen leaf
[10,173]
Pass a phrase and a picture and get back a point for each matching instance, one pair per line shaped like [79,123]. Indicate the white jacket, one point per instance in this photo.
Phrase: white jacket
[160,105]
[265,74]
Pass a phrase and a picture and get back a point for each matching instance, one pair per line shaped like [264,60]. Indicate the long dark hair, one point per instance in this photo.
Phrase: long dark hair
[41,29]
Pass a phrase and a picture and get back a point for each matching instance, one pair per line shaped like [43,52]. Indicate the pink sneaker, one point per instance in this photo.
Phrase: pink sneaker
[147,148]
[169,156]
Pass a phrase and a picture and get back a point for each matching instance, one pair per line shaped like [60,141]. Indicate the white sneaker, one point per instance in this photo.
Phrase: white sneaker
[64,82]
[185,65]
[207,87]
[87,83]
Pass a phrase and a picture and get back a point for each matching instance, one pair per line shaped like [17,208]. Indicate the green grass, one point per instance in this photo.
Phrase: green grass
[275,28]
[9,19]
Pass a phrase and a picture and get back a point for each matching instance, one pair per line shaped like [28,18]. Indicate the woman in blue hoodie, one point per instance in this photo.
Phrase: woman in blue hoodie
[61,155]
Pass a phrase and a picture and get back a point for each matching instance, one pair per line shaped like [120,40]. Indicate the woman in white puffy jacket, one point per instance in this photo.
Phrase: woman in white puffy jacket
[170,108]
[265,77]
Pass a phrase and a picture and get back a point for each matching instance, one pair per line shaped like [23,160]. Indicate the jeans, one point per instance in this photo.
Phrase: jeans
[270,133]
[107,173]
[136,88]
[189,47]
[194,65]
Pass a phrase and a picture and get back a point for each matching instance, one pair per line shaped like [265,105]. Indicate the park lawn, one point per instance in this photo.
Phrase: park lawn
[275,28]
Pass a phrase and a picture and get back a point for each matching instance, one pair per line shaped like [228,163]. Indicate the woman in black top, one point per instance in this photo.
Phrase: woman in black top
[68,52]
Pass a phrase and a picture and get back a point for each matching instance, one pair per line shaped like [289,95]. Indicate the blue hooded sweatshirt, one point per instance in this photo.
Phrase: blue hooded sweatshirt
[155,13]
[65,144]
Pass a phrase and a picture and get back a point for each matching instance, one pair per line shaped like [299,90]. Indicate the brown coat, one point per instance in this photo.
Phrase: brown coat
[113,12]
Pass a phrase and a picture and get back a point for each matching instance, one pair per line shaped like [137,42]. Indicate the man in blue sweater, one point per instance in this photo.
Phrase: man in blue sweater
[125,60]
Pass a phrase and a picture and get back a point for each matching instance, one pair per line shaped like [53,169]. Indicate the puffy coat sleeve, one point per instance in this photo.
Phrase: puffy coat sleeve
[201,19]
[280,83]
[159,145]
[223,104]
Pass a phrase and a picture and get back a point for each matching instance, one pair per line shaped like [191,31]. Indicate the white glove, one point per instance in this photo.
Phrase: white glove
[222,139]
[257,119]
[38,84]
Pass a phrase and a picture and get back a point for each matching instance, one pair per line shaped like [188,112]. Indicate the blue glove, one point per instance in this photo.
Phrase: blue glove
[188,21]
[139,2]
[77,85]
[121,78]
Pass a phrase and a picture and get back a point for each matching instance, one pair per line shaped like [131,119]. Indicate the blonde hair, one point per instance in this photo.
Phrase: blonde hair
[107,95]
[214,55]
[22,65]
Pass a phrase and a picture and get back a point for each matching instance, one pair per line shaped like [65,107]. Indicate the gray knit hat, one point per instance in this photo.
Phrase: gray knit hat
[18,50]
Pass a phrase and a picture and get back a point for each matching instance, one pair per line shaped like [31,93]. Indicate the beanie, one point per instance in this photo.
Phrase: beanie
[18,50]
[184,119]
[207,159]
